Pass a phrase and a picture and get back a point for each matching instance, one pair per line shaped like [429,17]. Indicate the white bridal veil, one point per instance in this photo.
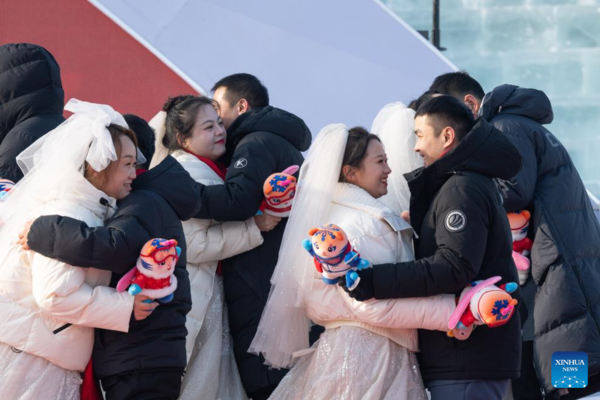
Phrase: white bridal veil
[284,327]
[395,127]
[158,124]
[54,164]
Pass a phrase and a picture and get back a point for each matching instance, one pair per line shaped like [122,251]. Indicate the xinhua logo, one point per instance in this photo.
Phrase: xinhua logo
[569,369]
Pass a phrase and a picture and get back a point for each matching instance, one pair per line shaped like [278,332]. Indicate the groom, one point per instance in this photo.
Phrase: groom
[464,236]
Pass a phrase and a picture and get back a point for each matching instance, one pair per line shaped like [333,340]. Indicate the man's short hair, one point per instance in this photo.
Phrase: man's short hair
[244,86]
[422,99]
[446,111]
[457,84]
[145,137]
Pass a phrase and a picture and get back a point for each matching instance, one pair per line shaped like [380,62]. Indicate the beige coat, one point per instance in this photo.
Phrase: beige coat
[208,242]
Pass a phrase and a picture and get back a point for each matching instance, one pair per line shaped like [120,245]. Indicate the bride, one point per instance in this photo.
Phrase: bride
[368,349]
[48,309]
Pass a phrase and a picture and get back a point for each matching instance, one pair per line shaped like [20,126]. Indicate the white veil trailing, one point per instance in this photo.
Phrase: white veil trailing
[54,164]
[284,327]
[158,124]
[394,125]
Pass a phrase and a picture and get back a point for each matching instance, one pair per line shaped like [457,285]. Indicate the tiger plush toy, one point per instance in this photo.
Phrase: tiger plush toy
[333,255]
[519,225]
[153,275]
[280,190]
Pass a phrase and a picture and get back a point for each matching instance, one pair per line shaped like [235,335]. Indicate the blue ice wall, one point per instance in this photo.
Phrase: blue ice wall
[552,45]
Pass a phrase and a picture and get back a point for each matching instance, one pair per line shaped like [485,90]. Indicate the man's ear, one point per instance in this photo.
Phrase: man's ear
[242,106]
[472,104]
[449,137]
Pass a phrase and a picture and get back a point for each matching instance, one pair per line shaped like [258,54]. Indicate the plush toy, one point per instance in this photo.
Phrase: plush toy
[152,275]
[519,224]
[279,190]
[333,255]
[5,186]
[482,303]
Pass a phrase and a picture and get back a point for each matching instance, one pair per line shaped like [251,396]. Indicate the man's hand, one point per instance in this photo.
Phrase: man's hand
[23,235]
[143,307]
[364,290]
[266,222]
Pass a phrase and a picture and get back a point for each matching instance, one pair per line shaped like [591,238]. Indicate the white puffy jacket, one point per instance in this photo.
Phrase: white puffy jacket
[39,295]
[208,242]
[381,237]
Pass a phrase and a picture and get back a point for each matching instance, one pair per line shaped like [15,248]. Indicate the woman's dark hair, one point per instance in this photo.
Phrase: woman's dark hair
[356,148]
[181,117]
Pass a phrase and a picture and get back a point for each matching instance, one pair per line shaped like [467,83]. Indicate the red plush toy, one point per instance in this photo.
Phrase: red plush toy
[279,190]
[153,276]
[519,224]
[482,303]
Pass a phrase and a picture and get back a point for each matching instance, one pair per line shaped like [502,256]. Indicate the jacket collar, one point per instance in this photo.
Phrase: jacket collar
[267,119]
[187,159]
[85,194]
[355,197]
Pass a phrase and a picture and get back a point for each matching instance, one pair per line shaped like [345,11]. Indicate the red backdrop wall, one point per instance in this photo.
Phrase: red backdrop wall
[99,61]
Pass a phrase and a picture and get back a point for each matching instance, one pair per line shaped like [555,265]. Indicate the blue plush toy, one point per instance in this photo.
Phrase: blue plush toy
[5,186]
[333,256]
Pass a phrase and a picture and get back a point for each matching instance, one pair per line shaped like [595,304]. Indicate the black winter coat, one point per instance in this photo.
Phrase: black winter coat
[464,236]
[566,250]
[260,142]
[31,101]
[160,200]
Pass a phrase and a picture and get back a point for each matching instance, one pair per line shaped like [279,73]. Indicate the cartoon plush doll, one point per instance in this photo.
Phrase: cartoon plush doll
[482,303]
[152,275]
[5,186]
[333,255]
[519,224]
[279,190]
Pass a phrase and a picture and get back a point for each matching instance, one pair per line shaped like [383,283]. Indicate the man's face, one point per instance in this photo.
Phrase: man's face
[430,144]
[227,111]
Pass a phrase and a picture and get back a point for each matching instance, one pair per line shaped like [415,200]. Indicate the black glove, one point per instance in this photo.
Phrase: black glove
[364,290]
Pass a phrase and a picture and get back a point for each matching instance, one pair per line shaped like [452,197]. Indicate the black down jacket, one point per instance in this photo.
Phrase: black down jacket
[566,250]
[260,142]
[31,101]
[160,199]
[464,236]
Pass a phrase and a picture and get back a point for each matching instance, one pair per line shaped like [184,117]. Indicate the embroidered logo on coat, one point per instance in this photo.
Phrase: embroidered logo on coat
[241,163]
[456,221]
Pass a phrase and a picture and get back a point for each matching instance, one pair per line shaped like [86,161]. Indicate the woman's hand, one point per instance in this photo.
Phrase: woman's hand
[266,222]
[143,307]
[405,216]
[23,235]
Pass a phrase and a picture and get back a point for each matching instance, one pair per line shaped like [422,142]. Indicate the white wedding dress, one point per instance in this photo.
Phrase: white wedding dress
[213,347]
